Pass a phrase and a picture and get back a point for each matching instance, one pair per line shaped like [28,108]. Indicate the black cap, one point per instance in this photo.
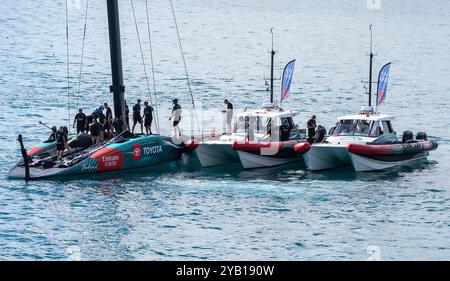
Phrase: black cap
[175,100]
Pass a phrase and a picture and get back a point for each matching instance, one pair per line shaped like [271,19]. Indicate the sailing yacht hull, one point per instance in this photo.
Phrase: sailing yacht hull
[324,156]
[212,154]
[140,152]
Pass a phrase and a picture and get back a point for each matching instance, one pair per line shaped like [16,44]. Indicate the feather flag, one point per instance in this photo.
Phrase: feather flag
[383,83]
[287,78]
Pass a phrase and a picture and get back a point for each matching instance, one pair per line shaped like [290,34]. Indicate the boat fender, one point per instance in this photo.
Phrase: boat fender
[191,144]
[302,147]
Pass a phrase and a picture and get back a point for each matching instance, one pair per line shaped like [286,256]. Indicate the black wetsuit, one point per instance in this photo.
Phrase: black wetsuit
[81,122]
[311,131]
[101,119]
[176,107]
[137,113]
[320,135]
[89,120]
[95,129]
[61,138]
[229,105]
[148,113]
[108,118]
[118,125]
[52,135]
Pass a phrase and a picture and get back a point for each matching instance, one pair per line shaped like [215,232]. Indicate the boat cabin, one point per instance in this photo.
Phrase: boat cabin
[258,125]
[365,125]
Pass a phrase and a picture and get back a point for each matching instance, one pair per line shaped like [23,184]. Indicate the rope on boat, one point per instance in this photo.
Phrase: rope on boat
[68,64]
[152,65]
[82,53]
[185,70]
[142,53]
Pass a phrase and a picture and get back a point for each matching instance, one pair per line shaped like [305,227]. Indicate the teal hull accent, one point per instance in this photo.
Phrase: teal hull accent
[142,151]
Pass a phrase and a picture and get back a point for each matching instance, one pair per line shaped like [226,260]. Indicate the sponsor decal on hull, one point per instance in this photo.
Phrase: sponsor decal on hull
[137,151]
[109,159]
[153,150]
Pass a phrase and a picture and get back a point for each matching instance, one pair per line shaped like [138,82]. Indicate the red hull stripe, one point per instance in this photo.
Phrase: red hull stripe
[388,149]
[34,150]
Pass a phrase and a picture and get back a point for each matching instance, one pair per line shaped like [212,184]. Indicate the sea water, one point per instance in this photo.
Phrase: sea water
[173,212]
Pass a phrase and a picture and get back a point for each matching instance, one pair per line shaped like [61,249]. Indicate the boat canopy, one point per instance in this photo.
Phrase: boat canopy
[372,117]
[269,114]
[364,126]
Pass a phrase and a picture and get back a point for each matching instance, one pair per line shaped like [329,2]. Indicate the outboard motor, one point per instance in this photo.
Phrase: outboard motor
[408,136]
[421,136]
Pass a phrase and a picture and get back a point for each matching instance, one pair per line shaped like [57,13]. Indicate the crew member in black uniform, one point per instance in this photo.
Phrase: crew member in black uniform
[109,118]
[102,120]
[117,124]
[311,125]
[285,131]
[320,134]
[96,130]
[148,118]
[81,120]
[61,142]
[53,134]
[137,118]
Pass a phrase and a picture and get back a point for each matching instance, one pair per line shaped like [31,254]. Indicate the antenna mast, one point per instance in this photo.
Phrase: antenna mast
[272,55]
[370,67]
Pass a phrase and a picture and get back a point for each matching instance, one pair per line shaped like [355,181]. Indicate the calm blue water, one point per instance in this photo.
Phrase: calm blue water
[226,213]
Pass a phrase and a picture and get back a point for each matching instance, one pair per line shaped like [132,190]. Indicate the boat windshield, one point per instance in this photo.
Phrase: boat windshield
[255,123]
[357,128]
[260,124]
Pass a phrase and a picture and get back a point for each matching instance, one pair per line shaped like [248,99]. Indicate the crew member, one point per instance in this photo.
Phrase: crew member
[53,134]
[117,125]
[109,118]
[61,142]
[137,118]
[229,114]
[176,115]
[96,132]
[285,131]
[320,134]
[311,125]
[148,118]
[269,130]
[81,120]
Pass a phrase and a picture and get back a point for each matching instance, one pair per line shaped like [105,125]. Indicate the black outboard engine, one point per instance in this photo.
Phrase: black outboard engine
[408,136]
[421,136]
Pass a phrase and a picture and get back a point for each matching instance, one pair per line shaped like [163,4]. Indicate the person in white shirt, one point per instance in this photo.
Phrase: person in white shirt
[176,116]
[229,114]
